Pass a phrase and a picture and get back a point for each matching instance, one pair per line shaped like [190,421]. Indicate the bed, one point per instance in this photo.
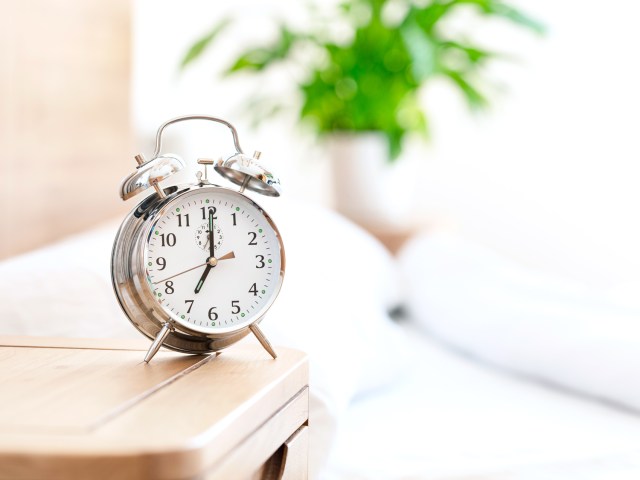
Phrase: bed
[450,417]
[461,387]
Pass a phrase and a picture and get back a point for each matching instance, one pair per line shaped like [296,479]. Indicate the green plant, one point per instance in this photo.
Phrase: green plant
[371,81]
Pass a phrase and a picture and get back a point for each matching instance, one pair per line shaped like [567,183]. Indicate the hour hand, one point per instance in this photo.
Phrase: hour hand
[203,278]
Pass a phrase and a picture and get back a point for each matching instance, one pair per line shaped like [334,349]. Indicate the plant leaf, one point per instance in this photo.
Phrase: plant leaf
[475,99]
[516,16]
[259,58]
[395,143]
[253,59]
[428,16]
[475,55]
[201,45]
[500,9]
[421,50]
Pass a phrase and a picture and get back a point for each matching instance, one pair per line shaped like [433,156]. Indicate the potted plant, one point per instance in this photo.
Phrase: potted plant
[362,92]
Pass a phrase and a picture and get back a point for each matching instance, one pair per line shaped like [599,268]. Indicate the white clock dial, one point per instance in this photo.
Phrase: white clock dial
[220,289]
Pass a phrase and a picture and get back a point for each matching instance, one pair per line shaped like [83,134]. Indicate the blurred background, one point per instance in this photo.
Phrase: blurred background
[511,127]
[547,173]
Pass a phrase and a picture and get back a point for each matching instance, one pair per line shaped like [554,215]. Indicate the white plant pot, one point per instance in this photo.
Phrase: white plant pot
[368,188]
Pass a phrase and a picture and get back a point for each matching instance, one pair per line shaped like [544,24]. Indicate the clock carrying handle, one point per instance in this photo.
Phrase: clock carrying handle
[234,133]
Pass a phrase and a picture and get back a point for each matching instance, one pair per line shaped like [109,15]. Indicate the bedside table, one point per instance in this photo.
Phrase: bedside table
[91,408]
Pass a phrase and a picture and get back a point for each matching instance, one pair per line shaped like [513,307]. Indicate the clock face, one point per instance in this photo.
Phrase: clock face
[213,260]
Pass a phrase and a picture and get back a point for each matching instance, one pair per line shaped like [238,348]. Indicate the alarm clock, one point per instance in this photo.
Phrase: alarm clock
[195,267]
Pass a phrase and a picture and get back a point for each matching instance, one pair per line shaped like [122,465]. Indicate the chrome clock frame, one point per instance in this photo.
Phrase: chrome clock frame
[128,272]
[128,275]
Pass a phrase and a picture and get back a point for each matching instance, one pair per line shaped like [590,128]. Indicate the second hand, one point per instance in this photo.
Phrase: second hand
[226,256]
[184,271]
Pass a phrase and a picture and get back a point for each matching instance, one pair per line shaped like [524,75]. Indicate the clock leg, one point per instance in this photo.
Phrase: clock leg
[157,342]
[263,340]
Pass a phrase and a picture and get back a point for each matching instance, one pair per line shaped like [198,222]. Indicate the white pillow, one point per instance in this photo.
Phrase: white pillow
[63,290]
[522,320]
[338,286]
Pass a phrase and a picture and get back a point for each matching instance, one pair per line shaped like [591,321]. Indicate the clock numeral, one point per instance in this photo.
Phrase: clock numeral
[236,306]
[260,261]
[186,220]
[254,290]
[233,215]
[211,209]
[169,240]
[168,287]
[212,314]
[253,240]
[190,302]
[162,263]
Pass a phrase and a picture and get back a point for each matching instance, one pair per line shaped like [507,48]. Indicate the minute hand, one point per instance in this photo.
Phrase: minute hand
[212,245]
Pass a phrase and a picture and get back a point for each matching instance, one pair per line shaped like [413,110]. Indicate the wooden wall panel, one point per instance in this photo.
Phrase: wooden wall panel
[64,117]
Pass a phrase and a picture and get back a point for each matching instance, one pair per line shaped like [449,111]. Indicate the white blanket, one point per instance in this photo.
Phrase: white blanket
[554,330]
[450,418]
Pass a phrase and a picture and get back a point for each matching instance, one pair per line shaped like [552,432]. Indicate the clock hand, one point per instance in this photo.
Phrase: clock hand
[203,278]
[184,271]
[226,256]
[212,245]
[212,261]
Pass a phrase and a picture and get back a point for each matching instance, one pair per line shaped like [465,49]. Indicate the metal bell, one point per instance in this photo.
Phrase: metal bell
[249,173]
[149,174]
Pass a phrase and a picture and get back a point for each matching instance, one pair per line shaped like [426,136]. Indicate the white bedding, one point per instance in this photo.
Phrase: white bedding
[524,320]
[393,403]
[449,418]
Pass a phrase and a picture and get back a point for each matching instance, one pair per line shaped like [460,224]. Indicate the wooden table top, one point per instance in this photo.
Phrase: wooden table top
[92,405]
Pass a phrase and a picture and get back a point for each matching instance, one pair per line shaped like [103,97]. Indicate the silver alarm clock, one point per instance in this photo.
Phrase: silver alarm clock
[196,267]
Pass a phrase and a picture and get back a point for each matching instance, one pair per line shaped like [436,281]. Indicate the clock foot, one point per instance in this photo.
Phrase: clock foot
[157,342]
[263,340]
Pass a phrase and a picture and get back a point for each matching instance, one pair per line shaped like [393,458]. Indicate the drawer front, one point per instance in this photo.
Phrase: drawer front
[258,456]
